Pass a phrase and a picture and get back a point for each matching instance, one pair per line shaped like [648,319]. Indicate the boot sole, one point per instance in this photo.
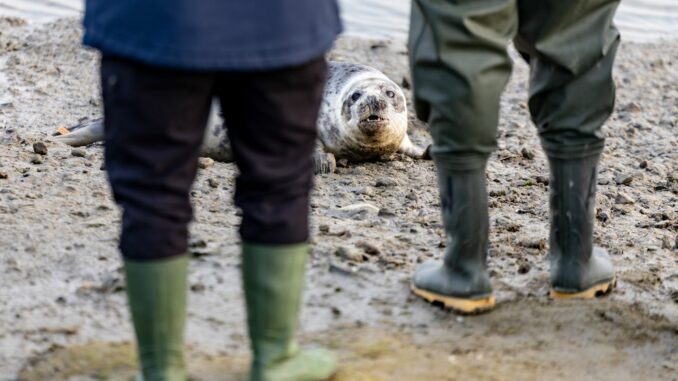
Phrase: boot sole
[591,293]
[460,305]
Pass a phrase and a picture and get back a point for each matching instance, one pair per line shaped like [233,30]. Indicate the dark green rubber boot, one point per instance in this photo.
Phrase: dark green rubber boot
[273,277]
[156,291]
[578,269]
[461,282]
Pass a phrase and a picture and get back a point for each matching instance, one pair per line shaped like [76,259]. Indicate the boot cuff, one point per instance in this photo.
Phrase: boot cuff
[574,151]
[460,162]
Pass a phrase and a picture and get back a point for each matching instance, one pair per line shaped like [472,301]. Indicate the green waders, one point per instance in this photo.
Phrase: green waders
[460,66]
[156,291]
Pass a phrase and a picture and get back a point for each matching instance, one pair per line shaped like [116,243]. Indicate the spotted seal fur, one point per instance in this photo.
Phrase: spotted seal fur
[363,116]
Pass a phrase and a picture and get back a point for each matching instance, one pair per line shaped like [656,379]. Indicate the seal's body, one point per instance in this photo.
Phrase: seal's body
[363,116]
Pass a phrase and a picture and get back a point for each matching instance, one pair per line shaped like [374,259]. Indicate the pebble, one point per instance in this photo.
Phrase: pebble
[602,217]
[542,180]
[632,107]
[368,248]
[622,179]
[355,211]
[205,162]
[384,182]
[386,212]
[643,164]
[524,268]
[213,183]
[527,154]
[40,148]
[3,175]
[324,228]
[79,152]
[36,159]
[623,199]
[349,253]
[365,191]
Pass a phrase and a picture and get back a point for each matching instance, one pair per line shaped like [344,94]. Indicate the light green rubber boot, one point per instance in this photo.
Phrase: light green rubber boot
[461,282]
[578,269]
[156,291]
[273,277]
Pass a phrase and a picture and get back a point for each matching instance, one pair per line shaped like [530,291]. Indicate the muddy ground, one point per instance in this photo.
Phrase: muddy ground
[62,306]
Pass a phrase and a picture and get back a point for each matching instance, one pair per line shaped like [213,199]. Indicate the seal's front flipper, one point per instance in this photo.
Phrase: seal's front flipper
[409,149]
[324,162]
[82,134]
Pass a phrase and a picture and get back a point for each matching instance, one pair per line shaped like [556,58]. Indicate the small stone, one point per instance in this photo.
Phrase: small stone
[412,196]
[543,180]
[622,179]
[36,159]
[524,268]
[359,211]
[643,164]
[365,191]
[336,311]
[343,163]
[386,212]
[405,83]
[384,182]
[198,287]
[623,199]
[527,154]
[324,228]
[79,152]
[205,162]
[602,216]
[349,253]
[213,183]
[40,148]
[631,107]
[662,186]
[368,248]
[3,175]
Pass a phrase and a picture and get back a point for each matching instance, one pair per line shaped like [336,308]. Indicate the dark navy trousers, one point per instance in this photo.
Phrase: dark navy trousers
[155,120]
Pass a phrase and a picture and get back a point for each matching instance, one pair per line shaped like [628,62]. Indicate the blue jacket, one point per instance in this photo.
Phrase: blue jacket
[213,34]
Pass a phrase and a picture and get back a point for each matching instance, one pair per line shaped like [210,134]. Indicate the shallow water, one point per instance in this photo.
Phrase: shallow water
[639,20]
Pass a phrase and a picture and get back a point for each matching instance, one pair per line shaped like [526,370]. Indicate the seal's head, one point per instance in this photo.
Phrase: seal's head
[374,112]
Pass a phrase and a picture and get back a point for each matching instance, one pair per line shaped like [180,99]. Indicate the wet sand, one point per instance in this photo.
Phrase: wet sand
[63,314]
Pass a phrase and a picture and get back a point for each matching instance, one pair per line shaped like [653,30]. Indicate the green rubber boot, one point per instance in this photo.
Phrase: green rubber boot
[156,291]
[578,269]
[273,277]
[461,282]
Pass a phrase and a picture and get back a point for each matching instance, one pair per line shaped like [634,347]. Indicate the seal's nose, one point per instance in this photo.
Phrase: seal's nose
[372,108]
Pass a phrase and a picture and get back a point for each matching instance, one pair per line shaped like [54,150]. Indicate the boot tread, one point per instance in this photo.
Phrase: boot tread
[457,304]
[590,293]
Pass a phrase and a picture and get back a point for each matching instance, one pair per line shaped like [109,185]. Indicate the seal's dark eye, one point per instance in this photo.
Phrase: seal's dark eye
[355,96]
[390,94]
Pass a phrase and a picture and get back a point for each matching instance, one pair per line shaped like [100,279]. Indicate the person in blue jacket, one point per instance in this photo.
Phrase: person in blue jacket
[162,63]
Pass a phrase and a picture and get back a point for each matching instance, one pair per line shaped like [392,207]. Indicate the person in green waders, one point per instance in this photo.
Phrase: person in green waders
[460,66]
[163,61]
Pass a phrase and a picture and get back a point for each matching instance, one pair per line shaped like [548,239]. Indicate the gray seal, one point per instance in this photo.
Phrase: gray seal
[363,116]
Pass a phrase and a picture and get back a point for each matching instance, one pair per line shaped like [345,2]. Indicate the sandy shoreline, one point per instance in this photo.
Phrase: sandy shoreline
[60,281]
